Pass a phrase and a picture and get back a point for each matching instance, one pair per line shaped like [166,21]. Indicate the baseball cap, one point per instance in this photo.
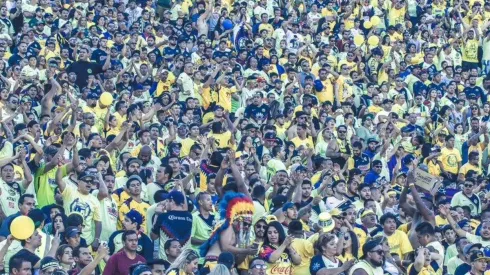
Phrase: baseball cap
[270,136]
[335,212]
[478,255]
[287,205]
[468,247]
[176,196]
[367,213]
[85,175]
[37,216]
[92,96]
[133,160]
[372,140]
[72,231]
[140,269]
[135,216]
[251,126]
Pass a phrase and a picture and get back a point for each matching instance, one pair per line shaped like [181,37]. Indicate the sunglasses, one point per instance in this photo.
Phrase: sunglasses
[260,266]
[260,226]
[468,185]
[379,252]
[341,132]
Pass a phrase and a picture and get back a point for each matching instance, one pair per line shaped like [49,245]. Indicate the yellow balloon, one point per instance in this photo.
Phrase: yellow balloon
[358,40]
[375,20]
[373,40]
[22,228]
[106,99]
[368,24]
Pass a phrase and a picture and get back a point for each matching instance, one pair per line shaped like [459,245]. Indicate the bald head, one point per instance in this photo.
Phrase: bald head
[145,154]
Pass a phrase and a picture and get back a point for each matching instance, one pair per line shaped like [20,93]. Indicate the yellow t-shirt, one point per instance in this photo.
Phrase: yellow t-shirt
[327,93]
[222,140]
[399,243]
[130,204]
[86,205]
[305,249]
[186,146]
[224,97]
[345,87]
[397,16]
[450,159]
[470,50]
[469,167]
[307,142]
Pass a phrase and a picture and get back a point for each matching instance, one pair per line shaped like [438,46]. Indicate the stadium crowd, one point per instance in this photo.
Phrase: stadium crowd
[193,137]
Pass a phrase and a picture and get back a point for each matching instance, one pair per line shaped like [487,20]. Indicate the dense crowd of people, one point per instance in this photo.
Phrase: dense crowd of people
[193,137]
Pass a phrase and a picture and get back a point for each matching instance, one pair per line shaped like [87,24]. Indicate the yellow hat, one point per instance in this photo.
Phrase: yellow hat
[326,222]
[270,218]
[335,212]
[367,213]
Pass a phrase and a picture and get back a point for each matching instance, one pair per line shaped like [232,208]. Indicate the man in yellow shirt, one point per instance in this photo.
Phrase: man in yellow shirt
[397,239]
[78,199]
[343,86]
[450,158]
[302,138]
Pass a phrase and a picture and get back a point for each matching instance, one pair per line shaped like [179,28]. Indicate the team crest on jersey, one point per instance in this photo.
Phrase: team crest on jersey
[81,207]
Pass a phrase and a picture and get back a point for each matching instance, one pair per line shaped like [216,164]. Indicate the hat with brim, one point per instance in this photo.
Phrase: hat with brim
[367,212]
[469,246]
[478,255]
[335,212]
[326,222]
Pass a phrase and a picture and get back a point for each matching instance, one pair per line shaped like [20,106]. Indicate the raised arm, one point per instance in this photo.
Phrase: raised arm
[444,211]
[47,100]
[236,175]
[426,213]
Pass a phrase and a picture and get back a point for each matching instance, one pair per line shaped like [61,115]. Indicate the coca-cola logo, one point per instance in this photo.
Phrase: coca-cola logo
[276,269]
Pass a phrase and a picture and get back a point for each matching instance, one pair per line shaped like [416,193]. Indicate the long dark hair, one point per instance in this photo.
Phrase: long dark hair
[63,219]
[354,244]
[280,230]
[241,144]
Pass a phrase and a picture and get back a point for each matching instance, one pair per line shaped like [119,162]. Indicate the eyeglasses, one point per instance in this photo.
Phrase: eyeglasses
[378,166]
[341,132]
[468,185]
[260,266]
[258,226]
[379,252]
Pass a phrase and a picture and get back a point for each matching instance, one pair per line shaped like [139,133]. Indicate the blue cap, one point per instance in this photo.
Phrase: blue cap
[318,85]
[408,159]
[138,87]
[135,216]
[92,96]
[177,197]
[287,205]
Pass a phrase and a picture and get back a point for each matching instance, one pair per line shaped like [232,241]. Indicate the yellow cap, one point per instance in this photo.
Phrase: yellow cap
[367,212]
